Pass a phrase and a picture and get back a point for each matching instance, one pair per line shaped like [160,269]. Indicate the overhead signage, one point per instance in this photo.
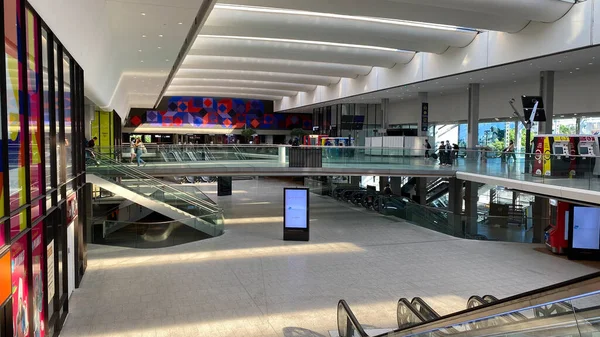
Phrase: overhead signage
[424,116]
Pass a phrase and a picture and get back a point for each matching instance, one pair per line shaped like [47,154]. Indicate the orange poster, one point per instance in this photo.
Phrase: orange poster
[5,289]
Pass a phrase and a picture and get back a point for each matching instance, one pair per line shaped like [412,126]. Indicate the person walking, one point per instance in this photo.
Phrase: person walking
[510,152]
[427,147]
[139,150]
[132,151]
[442,153]
[448,153]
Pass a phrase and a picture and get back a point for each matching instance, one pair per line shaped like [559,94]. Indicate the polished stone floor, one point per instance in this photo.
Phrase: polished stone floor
[249,282]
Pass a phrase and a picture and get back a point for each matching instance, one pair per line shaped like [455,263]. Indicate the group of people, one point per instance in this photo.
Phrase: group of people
[137,150]
[447,152]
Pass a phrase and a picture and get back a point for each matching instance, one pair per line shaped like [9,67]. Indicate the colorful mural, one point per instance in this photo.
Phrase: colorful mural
[220,113]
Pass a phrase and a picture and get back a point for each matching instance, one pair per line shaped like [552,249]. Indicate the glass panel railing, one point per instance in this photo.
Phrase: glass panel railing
[576,171]
[131,175]
[348,325]
[204,214]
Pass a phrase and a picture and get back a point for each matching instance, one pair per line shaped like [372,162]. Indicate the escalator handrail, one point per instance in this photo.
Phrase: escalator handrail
[426,306]
[138,173]
[350,315]
[409,305]
[553,293]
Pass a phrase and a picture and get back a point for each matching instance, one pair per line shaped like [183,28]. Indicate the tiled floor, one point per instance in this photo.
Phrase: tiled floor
[249,282]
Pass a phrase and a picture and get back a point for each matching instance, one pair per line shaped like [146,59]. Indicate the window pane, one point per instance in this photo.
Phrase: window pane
[33,85]
[37,266]
[47,135]
[17,127]
[57,119]
[68,134]
[20,287]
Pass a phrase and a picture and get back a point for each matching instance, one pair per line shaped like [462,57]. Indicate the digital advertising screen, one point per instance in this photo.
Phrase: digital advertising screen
[295,208]
[586,228]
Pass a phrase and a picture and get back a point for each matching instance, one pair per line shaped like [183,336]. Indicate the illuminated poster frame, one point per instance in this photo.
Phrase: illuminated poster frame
[296,207]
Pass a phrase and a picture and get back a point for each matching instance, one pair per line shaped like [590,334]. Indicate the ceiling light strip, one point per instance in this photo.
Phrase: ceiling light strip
[345,17]
[320,43]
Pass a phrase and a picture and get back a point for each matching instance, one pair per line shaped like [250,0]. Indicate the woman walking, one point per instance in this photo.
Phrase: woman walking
[139,150]
[132,151]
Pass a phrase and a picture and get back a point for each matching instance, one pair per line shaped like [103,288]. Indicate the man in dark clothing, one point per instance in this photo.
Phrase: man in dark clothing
[428,147]
[92,142]
[387,190]
[442,153]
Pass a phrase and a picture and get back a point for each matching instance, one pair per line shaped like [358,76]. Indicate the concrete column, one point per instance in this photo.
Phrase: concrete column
[423,96]
[385,110]
[455,203]
[473,116]
[547,93]
[471,199]
[396,185]
[541,214]
[421,189]
[578,125]
[87,197]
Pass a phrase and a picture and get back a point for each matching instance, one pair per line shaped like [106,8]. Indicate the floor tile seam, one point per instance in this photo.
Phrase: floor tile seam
[409,242]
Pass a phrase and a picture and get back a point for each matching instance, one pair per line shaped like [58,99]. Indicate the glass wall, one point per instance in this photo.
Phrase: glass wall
[41,103]
[328,120]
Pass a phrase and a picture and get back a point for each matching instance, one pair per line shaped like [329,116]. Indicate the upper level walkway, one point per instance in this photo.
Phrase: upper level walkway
[273,160]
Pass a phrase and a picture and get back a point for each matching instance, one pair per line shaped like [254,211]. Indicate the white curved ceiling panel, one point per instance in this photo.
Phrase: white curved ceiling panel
[499,15]
[218,87]
[255,76]
[177,82]
[217,46]
[262,22]
[272,65]
[227,93]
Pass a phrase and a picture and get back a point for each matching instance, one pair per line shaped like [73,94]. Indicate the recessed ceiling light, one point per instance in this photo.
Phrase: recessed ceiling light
[470,78]
[143,35]
[515,81]
[159,47]
[167,60]
[142,61]
[143,14]
[530,64]
[591,63]
[574,114]
[140,50]
[562,115]
[576,68]
[559,61]
[160,35]
[570,72]
[180,23]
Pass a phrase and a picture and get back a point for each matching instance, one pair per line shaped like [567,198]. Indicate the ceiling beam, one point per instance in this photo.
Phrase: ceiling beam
[241,84]
[283,77]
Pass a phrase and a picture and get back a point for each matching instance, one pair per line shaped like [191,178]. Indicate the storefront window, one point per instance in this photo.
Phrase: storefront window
[564,126]
[18,223]
[20,287]
[33,85]
[16,117]
[590,126]
[58,119]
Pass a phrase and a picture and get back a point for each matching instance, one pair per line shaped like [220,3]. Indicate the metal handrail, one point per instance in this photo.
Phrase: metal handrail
[350,318]
[186,196]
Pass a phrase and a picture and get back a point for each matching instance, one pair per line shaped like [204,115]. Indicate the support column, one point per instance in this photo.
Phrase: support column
[385,110]
[423,96]
[547,93]
[473,117]
[541,214]
[578,125]
[471,199]
[421,189]
[455,203]
[396,185]
[517,139]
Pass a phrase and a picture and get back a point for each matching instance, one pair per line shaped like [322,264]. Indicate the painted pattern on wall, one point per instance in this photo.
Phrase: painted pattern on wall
[220,113]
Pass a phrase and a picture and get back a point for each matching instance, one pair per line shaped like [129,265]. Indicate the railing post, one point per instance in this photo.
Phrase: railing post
[281,154]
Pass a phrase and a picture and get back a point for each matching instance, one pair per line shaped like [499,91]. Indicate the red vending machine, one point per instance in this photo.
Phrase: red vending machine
[557,234]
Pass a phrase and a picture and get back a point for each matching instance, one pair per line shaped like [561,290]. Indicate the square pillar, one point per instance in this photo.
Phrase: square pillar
[473,116]
[547,93]
[541,215]
[455,205]
[471,199]
[421,189]
[385,113]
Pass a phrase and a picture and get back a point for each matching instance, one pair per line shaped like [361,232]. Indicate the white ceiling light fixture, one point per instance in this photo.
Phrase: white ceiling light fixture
[160,35]
[159,47]
[340,16]
[144,35]
[180,23]
[143,14]
[320,43]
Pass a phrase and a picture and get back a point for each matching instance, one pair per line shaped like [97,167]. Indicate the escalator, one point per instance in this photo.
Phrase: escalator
[188,205]
[569,308]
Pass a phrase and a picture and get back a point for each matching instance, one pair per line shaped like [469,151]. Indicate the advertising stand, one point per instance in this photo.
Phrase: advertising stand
[295,214]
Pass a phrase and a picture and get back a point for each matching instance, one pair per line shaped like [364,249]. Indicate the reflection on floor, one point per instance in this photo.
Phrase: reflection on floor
[154,231]
[510,233]
[249,282]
